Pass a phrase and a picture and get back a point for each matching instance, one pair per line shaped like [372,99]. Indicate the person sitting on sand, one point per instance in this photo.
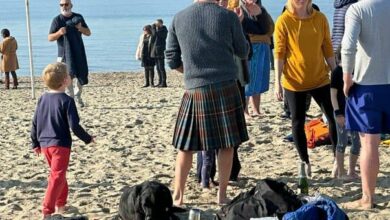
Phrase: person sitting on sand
[55,115]
[144,54]
[211,115]
[365,52]
[338,102]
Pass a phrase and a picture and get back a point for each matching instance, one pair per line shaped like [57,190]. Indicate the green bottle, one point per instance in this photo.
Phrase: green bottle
[303,183]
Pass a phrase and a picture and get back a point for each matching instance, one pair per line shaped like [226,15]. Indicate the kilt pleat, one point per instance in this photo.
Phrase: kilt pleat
[210,118]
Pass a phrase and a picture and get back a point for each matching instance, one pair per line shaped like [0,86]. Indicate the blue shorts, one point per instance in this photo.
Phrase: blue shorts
[368,109]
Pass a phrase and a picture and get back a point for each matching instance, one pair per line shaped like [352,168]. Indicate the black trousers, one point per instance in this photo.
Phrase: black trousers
[297,104]
[162,75]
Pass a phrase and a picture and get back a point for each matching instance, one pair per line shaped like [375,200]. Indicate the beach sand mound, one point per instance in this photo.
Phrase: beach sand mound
[133,128]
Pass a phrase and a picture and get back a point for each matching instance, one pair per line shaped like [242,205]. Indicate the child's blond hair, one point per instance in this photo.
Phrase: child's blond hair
[54,75]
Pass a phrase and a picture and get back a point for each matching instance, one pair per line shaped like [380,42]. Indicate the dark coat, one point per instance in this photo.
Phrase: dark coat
[160,37]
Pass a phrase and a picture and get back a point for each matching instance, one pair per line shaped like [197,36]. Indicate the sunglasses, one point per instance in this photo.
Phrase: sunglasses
[64,5]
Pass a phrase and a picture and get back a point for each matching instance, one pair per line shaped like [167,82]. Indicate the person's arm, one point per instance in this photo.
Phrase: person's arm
[56,31]
[240,44]
[349,48]
[74,123]
[173,51]
[83,27]
[280,37]
[327,47]
[279,65]
[33,133]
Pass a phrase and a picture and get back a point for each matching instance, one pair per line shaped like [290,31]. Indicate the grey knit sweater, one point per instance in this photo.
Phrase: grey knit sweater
[203,38]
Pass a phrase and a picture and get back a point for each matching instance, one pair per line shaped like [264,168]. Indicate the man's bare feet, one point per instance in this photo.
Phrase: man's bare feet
[177,201]
[358,204]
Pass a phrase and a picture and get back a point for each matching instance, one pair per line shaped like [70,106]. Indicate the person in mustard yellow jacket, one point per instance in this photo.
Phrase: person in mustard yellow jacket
[303,60]
[9,62]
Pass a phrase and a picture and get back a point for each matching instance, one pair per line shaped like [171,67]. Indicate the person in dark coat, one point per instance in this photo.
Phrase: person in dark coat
[160,37]
[144,54]
[67,29]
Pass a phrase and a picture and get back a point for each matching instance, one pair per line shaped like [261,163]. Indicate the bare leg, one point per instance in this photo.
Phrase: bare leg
[256,104]
[225,160]
[246,110]
[352,166]
[369,166]
[183,166]
[340,165]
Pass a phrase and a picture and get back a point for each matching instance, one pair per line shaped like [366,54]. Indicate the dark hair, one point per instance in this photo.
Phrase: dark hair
[148,28]
[5,33]
[160,21]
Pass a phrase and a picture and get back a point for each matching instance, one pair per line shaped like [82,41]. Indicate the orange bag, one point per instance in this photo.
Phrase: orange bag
[317,133]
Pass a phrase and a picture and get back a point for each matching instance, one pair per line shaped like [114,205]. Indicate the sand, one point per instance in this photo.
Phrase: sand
[133,128]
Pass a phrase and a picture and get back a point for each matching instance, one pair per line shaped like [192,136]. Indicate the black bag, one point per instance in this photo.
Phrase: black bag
[268,198]
[146,201]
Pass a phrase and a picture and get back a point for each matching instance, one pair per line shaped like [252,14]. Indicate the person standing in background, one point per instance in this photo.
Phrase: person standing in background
[259,65]
[9,63]
[365,52]
[202,42]
[160,33]
[303,57]
[67,29]
[144,54]
[340,8]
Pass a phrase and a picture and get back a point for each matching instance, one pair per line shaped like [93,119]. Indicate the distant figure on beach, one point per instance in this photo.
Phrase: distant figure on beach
[67,29]
[259,65]
[338,102]
[55,115]
[365,53]
[303,57]
[211,114]
[9,60]
[144,54]
[161,33]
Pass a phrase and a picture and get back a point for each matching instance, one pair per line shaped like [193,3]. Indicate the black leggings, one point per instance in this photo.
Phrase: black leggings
[297,103]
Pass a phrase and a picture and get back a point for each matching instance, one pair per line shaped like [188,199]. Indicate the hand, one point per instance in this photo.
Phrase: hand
[340,120]
[180,69]
[62,31]
[347,77]
[37,151]
[239,13]
[278,91]
[253,8]
[78,26]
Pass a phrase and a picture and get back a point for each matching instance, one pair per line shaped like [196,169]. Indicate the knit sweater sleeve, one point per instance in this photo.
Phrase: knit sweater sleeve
[33,134]
[74,123]
[240,44]
[173,51]
[349,42]
[327,47]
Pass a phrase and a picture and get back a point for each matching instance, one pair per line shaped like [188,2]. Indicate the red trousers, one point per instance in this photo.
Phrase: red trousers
[57,187]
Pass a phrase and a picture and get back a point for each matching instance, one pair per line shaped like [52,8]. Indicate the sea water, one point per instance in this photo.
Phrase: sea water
[115,25]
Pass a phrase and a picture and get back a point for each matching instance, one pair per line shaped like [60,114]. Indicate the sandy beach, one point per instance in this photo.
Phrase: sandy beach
[133,128]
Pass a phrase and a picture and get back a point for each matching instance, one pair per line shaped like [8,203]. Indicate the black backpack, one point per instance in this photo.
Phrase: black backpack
[146,201]
[267,198]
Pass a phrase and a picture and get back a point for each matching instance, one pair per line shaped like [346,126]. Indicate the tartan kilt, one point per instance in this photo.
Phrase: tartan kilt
[210,117]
